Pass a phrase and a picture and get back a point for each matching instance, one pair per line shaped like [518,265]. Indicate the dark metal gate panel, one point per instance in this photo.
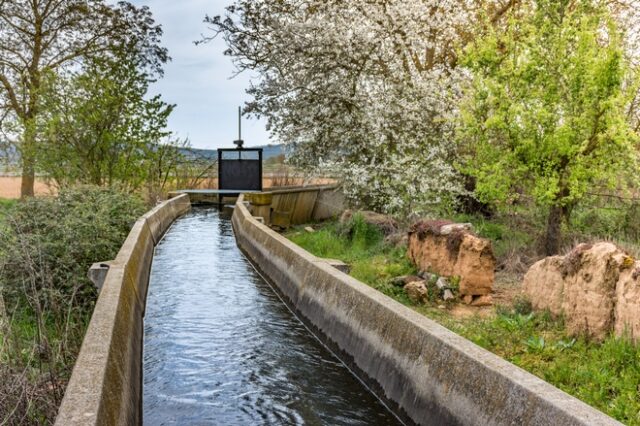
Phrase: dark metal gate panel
[240,169]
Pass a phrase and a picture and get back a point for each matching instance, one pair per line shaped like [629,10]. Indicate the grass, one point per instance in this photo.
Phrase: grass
[604,375]
[6,204]
[361,246]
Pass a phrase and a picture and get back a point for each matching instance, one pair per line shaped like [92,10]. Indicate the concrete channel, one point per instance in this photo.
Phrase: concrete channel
[422,371]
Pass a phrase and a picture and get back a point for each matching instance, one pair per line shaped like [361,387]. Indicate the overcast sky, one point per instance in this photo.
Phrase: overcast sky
[198,80]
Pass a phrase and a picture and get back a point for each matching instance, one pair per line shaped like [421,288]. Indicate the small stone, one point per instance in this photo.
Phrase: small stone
[339,265]
[442,283]
[310,229]
[448,295]
[417,291]
[467,299]
[442,307]
[486,300]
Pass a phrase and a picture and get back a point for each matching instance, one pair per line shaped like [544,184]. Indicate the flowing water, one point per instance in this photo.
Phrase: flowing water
[220,347]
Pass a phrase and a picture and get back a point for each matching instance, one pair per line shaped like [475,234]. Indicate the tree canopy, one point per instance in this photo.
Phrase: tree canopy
[38,37]
[98,127]
[546,113]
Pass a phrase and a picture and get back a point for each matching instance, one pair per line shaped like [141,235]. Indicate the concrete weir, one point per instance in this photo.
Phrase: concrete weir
[106,384]
[430,375]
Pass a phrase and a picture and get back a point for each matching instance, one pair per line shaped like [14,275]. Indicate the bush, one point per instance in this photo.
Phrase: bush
[46,248]
[50,243]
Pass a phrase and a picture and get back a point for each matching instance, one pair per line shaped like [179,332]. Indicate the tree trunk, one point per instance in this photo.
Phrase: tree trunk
[27,153]
[28,177]
[554,229]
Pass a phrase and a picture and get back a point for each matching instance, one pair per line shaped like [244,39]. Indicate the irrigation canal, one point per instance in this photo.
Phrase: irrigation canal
[221,348]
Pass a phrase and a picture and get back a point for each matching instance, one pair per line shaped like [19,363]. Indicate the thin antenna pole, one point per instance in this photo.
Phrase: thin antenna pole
[239,142]
[239,123]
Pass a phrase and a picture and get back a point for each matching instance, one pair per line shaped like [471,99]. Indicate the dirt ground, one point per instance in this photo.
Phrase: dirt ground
[10,187]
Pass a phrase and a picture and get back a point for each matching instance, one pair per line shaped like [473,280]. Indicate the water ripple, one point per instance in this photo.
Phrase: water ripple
[220,348]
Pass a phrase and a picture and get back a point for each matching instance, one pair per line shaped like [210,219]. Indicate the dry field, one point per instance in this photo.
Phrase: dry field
[10,187]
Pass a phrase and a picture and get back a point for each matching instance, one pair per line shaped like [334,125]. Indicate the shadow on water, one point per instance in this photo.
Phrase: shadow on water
[221,348]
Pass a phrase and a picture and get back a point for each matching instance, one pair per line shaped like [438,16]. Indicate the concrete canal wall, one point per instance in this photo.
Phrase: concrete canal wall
[427,373]
[283,206]
[295,206]
[106,383]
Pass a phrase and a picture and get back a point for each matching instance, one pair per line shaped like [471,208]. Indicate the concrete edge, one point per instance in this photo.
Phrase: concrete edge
[161,217]
[106,382]
[429,374]
[308,188]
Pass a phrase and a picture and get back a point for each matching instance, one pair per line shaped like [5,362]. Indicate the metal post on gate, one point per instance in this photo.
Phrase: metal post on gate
[239,169]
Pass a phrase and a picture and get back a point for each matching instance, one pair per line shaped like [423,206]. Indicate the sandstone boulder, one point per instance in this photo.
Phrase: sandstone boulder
[450,249]
[386,224]
[627,314]
[592,273]
[417,291]
[544,284]
[584,286]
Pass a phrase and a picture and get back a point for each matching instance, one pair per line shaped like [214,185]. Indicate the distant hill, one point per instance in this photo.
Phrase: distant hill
[269,151]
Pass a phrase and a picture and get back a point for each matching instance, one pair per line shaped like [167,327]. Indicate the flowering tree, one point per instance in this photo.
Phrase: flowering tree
[363,89]
[368,90]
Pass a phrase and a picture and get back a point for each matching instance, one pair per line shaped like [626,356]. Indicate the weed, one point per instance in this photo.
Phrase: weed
[565,344]
[535,344]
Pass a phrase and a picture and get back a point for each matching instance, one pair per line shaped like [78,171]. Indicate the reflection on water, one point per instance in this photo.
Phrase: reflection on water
[220,347]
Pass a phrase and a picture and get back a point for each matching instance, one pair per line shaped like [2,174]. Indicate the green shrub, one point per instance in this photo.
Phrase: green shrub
[46,248]
[51,242]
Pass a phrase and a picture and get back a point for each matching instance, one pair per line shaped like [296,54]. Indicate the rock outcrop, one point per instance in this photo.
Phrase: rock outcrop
[450,250]
[594,286]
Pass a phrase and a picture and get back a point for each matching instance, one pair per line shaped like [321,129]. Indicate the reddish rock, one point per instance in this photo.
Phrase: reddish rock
[452,250]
